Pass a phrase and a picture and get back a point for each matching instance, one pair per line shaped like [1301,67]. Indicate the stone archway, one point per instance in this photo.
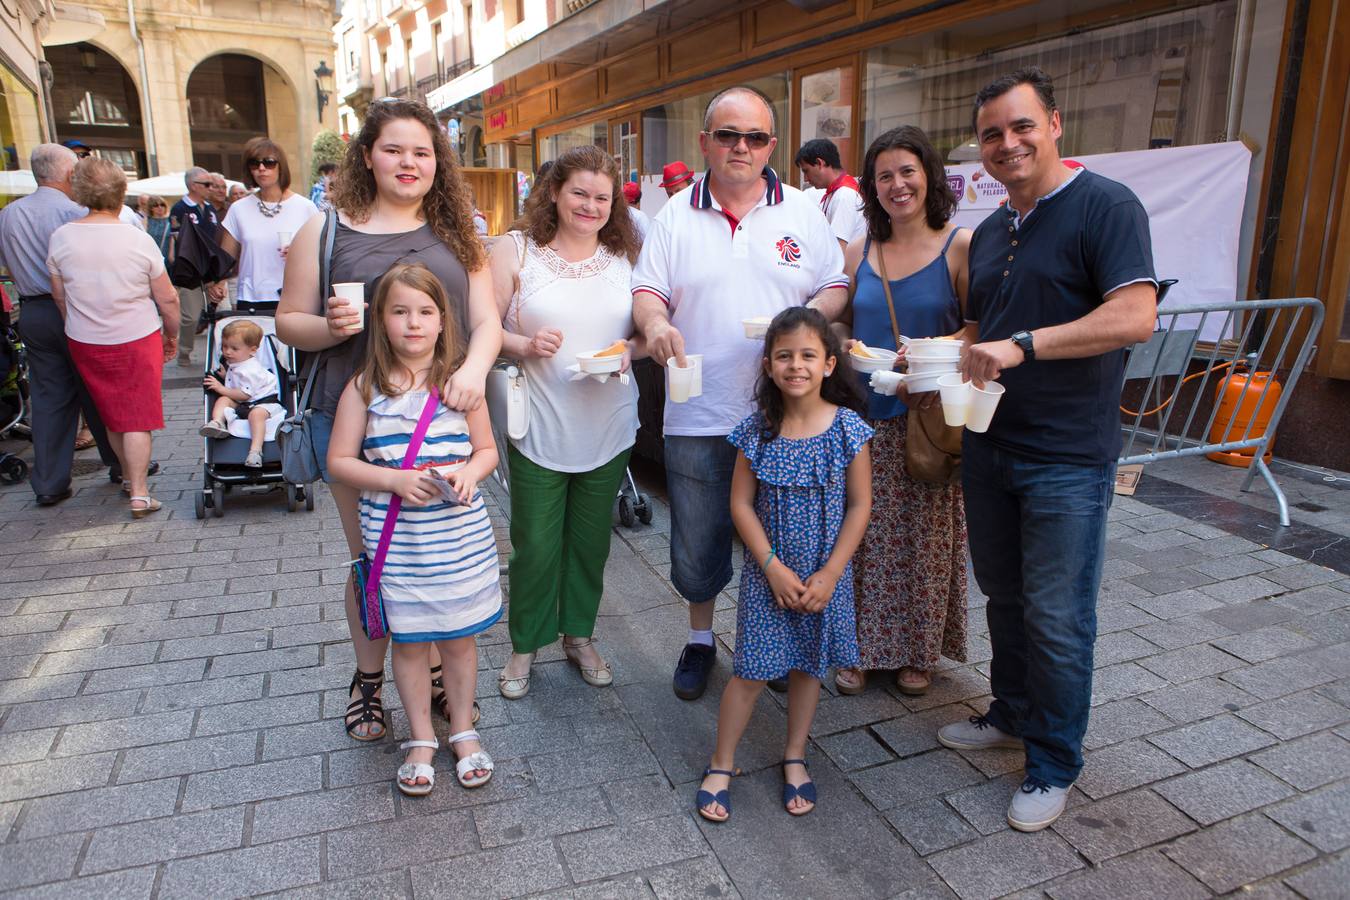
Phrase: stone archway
[96,101]
[232,97]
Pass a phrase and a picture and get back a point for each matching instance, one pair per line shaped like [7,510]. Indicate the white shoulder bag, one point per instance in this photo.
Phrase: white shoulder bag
[508,390]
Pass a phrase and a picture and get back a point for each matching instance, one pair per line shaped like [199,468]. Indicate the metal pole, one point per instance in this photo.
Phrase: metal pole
[147,116]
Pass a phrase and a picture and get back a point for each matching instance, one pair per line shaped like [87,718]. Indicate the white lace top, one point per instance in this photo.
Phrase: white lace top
[575,426]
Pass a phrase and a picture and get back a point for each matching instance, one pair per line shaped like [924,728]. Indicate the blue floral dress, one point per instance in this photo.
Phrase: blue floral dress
[800,502]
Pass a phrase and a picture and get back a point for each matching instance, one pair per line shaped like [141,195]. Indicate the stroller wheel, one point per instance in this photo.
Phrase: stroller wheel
[291,503]
[218,501]
[199,504]
[12,469]
[626,514]
[643,509]
[309,498]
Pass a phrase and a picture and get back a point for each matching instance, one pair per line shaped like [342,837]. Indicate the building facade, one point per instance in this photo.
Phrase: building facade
[634,77]
[172,83]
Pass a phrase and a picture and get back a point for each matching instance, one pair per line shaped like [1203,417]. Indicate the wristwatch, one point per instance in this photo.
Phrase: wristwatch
[1023,340]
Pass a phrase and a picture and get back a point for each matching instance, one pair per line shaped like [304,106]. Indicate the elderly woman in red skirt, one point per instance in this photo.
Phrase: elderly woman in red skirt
[121,314]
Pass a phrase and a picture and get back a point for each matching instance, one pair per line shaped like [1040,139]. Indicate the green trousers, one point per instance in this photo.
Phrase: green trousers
[560,530]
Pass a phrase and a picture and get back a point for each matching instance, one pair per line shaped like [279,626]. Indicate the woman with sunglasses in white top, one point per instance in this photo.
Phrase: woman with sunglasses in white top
[258,229]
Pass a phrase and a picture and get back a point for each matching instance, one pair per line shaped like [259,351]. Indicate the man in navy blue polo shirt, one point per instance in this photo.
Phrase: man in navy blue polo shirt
[1061,281]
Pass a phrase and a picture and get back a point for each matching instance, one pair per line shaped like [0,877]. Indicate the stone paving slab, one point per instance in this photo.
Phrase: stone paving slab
[171,691]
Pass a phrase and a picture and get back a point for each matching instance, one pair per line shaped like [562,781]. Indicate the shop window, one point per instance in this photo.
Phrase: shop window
[1156,81]
[670,131]
[555,145]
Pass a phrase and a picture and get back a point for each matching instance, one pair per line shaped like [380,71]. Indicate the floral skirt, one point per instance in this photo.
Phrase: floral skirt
[909,574]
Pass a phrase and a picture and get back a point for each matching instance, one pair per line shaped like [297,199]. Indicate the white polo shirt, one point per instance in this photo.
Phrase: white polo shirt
[712,272]
[845,212]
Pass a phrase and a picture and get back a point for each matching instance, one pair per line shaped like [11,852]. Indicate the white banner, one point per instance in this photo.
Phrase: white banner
[1194,198]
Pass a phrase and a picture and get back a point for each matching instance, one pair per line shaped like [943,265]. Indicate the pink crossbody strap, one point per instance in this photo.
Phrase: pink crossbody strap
[395,501]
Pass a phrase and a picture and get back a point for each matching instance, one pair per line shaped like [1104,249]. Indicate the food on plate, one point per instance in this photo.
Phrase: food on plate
[860,350]
[615,349]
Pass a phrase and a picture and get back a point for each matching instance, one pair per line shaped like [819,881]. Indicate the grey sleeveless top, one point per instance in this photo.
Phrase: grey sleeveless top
[366,257]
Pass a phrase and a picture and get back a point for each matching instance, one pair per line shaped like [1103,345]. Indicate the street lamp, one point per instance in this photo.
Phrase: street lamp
[323,85]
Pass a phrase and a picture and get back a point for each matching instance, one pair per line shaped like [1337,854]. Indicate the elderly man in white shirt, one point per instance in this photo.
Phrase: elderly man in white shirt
[738,244]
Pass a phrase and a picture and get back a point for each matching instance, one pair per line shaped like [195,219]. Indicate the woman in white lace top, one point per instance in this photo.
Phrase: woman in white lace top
[562,287]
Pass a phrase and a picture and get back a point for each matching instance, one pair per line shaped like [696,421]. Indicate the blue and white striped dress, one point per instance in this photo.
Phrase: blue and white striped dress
[440,577]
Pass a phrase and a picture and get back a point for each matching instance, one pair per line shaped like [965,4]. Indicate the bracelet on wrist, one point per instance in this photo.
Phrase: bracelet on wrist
[768,560]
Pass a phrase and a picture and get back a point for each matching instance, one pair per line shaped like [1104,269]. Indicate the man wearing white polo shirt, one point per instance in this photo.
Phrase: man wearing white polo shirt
[739,244]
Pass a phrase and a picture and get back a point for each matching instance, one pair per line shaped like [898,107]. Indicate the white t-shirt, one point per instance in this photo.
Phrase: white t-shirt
[128,216]
[575,426]
[641,221]
[260,264]
[845,212]
[251,377]
[106,270]
[712,272]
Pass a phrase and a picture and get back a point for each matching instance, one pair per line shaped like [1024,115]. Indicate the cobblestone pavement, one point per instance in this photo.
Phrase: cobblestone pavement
[170,693]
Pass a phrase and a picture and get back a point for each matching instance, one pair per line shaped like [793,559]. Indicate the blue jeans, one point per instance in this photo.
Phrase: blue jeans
[321,432]
[698,482]
[1037,539]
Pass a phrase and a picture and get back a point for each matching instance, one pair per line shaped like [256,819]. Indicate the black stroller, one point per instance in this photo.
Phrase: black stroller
[223,466]
[14,402]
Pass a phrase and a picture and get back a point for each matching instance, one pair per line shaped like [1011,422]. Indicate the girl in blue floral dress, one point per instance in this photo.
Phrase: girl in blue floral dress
[800,499]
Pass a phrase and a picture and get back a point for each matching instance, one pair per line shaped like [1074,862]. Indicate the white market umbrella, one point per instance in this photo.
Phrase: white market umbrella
[19,183]
[170,185]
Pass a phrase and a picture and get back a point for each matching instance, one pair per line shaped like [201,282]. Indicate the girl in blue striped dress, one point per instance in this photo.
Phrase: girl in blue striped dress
[440,582]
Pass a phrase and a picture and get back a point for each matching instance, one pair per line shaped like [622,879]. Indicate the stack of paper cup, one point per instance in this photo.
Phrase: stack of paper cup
[684,382]
[354,292]
[284,238]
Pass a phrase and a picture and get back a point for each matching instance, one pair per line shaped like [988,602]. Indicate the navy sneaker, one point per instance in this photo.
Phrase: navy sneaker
[691,673]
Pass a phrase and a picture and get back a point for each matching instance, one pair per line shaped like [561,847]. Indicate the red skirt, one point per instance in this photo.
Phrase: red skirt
[125,381]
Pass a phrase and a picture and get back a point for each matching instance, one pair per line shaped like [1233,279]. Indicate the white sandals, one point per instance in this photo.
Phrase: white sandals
[151,505]
[595,677]
[476,760]
[408,773]
[514,688]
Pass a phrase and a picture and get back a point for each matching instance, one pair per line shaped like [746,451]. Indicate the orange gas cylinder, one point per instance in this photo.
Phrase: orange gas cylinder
[1254,407]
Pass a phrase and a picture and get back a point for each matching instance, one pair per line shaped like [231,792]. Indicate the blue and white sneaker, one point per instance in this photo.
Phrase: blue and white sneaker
[691,673]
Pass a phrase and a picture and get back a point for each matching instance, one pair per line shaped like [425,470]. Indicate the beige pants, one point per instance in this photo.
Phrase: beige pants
[191,302]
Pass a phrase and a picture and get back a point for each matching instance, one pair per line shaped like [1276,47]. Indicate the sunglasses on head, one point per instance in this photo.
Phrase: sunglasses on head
[267,162]
[726,137]
[84,154]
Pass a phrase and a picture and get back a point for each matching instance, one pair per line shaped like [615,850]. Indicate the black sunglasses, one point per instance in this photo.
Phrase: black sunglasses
[268,162]
[726,137]
[202,183]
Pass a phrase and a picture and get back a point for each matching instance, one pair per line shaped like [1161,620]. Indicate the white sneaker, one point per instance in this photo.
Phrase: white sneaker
[976,733]
[253,461]
[1036,805]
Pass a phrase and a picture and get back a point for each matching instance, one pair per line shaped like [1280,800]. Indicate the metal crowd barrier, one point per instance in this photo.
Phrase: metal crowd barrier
[1266,336]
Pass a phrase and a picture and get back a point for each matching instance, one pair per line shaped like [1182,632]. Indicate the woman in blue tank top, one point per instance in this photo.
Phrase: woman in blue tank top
[910,571]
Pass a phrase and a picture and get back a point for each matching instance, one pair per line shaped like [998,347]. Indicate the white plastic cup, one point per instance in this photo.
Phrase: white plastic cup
[680,380]
[983,402]
[955,394]
[354,292]
[284,238]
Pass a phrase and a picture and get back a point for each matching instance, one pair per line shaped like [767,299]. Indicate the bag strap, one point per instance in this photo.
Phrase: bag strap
[395,501]
[327,236]
[886,286]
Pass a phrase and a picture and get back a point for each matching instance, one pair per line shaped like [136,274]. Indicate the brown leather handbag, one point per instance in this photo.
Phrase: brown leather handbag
[932,447]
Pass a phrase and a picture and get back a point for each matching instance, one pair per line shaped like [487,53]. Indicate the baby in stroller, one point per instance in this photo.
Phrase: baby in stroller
[246,389]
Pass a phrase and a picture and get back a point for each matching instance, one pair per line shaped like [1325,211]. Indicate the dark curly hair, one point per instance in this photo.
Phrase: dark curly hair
[447,207]
[539,220]
[939,202]
[839,387]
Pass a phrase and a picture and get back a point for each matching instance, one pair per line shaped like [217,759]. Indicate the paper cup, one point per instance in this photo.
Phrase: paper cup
[284,238]
[880,360]
[756,328]
[955,400]
[354,292]
[680,381]
[598,365]
[983,402]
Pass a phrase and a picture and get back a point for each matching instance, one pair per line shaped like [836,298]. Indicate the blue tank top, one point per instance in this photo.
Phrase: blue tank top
[925,306]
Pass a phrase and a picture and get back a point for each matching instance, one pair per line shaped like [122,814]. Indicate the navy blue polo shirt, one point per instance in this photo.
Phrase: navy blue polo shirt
[1079,244]
[204,215]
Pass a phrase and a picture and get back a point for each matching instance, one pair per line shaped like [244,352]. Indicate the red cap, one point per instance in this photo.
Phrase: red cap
[675,173]
[632,192]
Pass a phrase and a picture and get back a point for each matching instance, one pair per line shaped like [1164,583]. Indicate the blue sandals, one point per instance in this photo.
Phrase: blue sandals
[705,799]
[792,791]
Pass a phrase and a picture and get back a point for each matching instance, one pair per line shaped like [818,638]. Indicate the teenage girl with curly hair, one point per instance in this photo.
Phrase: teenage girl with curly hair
[399,197]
